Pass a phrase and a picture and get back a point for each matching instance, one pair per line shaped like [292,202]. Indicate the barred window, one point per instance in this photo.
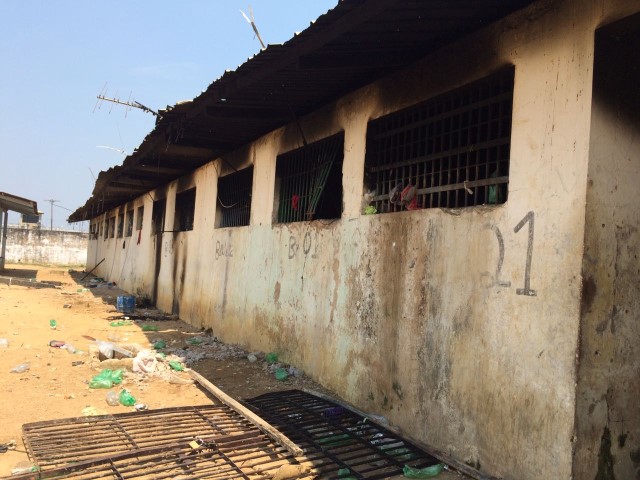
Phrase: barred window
[129,229]
[120,224]
[140,217]
[451,151]
[234,199]
[157,216]
[309,181]
[185,210]
[112,227]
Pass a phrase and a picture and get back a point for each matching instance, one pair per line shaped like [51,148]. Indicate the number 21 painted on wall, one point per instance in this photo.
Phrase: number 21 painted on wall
[527,290]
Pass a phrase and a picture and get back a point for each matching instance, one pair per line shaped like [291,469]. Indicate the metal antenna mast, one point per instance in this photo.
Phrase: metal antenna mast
[252,22]
[129,103]
[51,201]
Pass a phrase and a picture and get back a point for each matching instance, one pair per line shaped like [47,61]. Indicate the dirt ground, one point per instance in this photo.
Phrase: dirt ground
[56,383]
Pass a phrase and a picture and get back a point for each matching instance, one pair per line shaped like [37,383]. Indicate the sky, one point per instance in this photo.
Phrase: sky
[57,56]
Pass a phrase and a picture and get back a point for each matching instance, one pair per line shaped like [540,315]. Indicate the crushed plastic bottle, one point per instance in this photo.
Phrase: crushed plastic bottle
[271,357]
[24,467]
[127,399]
[112,399]
[428,472]
[252,358]
[53,324]
[281,374]
[23,367]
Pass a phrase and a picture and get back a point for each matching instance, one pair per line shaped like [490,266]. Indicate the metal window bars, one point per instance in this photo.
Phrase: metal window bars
[304,175]
[234,198]
[129,229]
[451,151]
[185,210]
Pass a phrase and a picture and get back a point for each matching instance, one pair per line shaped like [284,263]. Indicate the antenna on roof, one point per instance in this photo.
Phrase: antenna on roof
[119,150]
[252,22]
[129,103]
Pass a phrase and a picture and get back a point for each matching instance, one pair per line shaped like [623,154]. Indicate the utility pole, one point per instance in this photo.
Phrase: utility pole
[51,201]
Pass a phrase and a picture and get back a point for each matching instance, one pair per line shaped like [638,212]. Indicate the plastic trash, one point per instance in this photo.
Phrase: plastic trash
[53,324]
[159,344]
[121,323]
[175,365]
[194,341]
[24,467]
[140,407]
[145,361]
[105,348]
[23,367]
[112,398]
[296,372]
[127,399]
[4,343]
[69,348]
[67,305]
[57,343]
[149,328]
[271,357]
[428,472]
[252,358]
[281,374]
[106,379]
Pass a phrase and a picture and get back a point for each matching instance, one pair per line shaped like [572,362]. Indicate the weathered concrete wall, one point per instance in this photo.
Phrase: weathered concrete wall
[46,247]
[419,316]
[607,416]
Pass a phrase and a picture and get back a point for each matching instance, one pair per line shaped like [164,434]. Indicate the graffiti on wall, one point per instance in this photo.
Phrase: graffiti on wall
[308,245]
[223,250]
[497,280]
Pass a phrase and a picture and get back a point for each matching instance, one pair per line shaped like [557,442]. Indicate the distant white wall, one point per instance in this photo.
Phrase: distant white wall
[46,247]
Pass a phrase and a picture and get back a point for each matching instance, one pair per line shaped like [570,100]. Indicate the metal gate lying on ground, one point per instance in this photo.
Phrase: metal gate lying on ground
[216,442]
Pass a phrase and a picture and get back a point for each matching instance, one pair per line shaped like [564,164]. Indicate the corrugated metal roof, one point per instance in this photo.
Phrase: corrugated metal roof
[18,204]
[350,46]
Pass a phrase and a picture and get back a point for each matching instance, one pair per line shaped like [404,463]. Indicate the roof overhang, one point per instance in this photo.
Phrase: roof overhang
[352,45]
[18,204]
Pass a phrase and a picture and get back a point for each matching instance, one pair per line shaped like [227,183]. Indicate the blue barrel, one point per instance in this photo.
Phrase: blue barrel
[126,303]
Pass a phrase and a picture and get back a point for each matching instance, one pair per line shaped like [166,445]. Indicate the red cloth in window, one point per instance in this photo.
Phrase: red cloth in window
[295,202]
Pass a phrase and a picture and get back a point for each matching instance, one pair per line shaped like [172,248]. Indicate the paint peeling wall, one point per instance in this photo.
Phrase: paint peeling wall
[460,326]
[608,417]
[46,247]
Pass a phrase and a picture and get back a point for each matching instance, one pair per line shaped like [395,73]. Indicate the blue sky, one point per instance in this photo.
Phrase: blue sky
[56,56]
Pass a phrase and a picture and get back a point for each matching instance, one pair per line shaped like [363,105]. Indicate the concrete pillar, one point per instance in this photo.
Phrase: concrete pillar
[3,224]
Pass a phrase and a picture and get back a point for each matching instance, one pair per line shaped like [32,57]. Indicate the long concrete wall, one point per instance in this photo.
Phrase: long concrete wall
[608,417]
[460,326]
[46,247]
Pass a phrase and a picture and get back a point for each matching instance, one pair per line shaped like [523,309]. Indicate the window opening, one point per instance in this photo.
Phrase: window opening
[157,216]
[129,229]
[120,224]
[185,208]
[234,198]
[139,218]
[451,151]
[112,227]
[309,181]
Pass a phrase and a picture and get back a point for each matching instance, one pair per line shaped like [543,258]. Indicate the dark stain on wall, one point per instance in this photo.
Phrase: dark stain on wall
[588,294]
[605,458]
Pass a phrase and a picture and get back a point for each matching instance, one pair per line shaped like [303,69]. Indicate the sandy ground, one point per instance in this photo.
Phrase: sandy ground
[56,384]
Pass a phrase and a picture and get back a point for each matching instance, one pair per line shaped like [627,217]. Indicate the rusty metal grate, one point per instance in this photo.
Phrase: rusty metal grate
[338,441]
[59,442]
[234,198]
[309,181]
[451,151]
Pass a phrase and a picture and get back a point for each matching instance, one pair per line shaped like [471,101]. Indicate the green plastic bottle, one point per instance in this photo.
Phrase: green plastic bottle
[53,324]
